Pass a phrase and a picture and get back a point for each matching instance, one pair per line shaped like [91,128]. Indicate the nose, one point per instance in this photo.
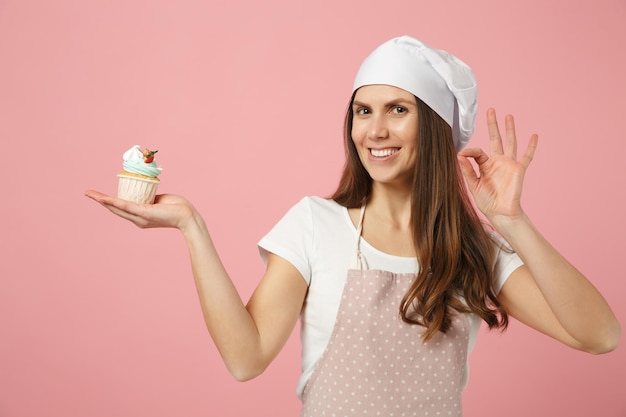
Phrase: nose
[378,127]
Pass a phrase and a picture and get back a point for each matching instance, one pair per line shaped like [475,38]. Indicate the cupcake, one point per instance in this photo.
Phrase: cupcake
[138,181]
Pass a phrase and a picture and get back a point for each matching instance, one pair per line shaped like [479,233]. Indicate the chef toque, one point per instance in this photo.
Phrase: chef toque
[442,81]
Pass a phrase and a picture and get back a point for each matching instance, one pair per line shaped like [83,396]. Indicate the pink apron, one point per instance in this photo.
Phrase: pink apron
[377,365]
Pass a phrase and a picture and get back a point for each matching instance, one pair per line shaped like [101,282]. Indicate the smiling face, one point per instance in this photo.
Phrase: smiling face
[384,132]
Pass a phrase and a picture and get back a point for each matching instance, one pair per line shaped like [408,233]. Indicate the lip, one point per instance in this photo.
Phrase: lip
[395,151]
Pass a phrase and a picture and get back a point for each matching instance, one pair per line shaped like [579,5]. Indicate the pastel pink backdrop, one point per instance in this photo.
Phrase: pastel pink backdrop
[244,101]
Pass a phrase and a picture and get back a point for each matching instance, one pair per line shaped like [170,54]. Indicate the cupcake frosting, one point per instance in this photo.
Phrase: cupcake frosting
[134,162]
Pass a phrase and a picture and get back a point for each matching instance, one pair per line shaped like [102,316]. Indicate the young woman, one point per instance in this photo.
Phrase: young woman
[393,274]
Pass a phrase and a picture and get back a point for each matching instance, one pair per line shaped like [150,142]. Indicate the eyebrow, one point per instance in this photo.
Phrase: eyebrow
[393,102]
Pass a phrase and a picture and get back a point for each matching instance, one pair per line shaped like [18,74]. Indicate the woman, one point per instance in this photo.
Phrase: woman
[392,276]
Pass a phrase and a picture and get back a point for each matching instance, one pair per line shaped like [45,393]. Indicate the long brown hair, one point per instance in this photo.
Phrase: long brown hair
[455,252]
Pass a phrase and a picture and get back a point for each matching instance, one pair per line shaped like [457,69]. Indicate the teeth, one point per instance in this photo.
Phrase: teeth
[383,152]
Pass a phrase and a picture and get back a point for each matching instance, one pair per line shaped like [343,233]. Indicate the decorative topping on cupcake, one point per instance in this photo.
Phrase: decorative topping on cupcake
[148,155]
[141,162]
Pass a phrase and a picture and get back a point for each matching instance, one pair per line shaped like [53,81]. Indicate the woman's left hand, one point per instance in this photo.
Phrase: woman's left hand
[497,187]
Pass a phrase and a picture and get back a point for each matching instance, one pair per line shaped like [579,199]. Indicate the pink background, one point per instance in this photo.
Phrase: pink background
[245,100]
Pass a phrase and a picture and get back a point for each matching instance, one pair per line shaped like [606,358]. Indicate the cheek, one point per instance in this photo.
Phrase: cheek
[359,149]
[358,140]
[408,130]
[408,137]
[357,133]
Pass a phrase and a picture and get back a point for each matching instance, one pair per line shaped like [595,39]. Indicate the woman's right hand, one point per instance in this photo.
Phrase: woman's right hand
[168,210]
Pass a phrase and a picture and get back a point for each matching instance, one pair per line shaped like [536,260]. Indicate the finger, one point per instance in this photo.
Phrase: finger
[495,141]
[530,151]
[131,212]
[118,206]
[122,213]
[135,213]
[95,195]
[468,171]
[475,153]
[510,149]
[105,199]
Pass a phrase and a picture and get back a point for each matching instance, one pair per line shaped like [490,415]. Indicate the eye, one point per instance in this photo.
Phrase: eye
[362,111]
[398,110]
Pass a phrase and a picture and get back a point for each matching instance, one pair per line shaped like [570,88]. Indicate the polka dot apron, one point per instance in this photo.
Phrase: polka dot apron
[377,365]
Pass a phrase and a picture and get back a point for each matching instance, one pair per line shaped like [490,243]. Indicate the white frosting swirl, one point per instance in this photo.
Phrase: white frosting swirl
[134,162]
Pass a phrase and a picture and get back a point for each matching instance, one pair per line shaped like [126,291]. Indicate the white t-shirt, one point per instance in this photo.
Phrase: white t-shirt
[318,237]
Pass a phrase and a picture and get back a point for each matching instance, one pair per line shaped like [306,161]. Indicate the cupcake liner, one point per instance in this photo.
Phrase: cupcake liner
[138,190]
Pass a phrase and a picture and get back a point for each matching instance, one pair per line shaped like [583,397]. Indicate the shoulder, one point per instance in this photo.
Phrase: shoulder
[314,230]
[324,205]
[319,202]
[318,207]
[312,213]
[325,211]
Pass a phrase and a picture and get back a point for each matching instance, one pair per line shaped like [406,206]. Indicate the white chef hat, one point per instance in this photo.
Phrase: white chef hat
[442,81]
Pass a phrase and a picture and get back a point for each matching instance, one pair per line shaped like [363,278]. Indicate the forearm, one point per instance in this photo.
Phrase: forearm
[232,328]
[577,305]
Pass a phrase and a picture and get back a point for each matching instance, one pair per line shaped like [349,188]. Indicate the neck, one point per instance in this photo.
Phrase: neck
[391,205]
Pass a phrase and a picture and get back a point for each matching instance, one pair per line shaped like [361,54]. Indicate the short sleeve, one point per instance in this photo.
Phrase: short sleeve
[291,238]
[507,261]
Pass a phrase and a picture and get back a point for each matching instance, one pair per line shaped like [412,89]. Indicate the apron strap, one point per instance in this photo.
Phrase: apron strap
[360,262]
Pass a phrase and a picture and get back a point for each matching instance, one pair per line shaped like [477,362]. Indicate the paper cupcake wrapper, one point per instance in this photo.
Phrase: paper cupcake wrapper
[139,190]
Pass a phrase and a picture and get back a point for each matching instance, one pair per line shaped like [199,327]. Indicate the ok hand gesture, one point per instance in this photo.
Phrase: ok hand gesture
[497,187]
